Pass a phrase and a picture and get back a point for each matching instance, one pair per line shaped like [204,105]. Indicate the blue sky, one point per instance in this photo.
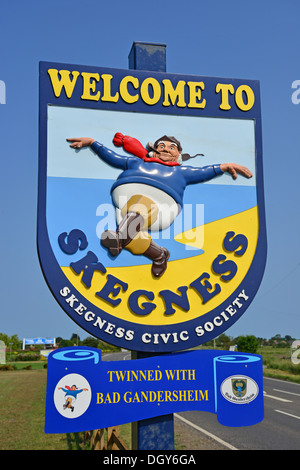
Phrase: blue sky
[233,39]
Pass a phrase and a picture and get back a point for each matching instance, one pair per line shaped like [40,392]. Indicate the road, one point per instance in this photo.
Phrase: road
[279,430]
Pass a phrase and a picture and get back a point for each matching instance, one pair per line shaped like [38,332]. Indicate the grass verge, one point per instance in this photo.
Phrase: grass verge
[22,414]
[278,365]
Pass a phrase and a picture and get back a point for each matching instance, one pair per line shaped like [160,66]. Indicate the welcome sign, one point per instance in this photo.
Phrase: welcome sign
[84,393]
[151,225]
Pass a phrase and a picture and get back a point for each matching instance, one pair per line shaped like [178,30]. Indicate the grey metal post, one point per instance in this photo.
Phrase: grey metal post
[153,433]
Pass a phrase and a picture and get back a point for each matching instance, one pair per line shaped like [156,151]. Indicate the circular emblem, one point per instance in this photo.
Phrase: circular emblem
[72,395]
[239,389]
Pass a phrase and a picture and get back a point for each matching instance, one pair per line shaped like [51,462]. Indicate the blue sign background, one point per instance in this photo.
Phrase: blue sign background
[118,392]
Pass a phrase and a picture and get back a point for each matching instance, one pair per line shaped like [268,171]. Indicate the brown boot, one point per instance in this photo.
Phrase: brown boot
[128,228]
[159,256]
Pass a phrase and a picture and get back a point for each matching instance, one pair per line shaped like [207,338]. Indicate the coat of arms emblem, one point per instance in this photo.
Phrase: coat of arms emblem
[239,387]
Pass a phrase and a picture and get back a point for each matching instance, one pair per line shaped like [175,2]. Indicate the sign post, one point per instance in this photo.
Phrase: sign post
[151,233]
[153,433]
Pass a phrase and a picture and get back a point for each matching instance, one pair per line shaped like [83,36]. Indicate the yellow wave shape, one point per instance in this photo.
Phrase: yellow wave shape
[179,273]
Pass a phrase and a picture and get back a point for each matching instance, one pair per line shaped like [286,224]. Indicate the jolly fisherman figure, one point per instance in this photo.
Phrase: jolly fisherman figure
[71,395]
[149,191]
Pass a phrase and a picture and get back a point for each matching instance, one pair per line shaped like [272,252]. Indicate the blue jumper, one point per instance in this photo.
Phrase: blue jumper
[170,179]
[72,393]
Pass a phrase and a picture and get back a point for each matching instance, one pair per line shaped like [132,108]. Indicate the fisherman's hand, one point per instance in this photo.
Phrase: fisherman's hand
[234,169]
[80,142]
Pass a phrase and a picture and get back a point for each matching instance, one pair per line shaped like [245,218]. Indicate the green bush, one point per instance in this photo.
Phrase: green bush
[27,357]
[247,344]
[7,367]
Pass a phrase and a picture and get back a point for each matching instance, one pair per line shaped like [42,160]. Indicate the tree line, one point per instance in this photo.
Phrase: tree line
[247,343]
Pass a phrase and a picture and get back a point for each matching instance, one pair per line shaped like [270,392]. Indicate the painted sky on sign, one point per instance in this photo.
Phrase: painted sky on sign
[256,40]
[220,140]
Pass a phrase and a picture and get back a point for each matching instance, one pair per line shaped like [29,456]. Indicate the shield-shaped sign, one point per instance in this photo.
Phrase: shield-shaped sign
[151,225]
